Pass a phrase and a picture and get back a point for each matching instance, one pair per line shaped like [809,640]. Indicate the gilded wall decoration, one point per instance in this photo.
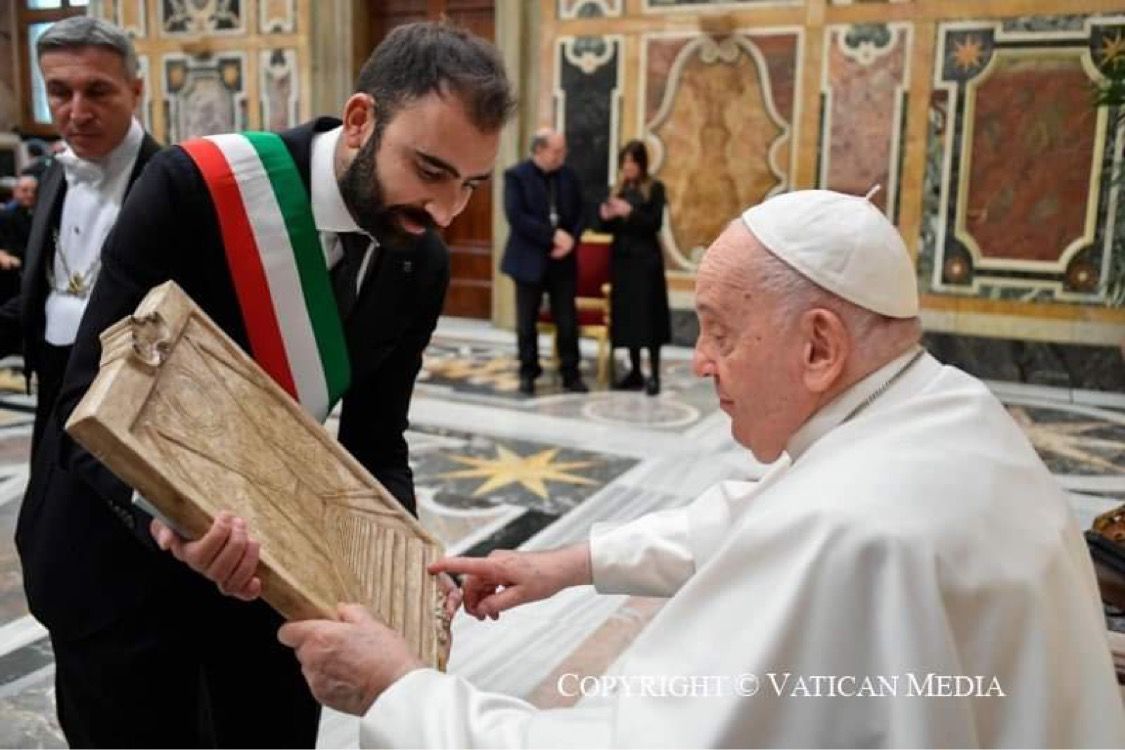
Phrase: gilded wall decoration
[131,15]
[719,120]
[1022,161]
[864,88]
[204,95]
[218,65]
[279,88]
[201,16]
[277,16]
[588,8]
[588,109]
[144,111]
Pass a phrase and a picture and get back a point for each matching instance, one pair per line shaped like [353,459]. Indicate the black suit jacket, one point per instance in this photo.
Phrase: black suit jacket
[168,230]
[527,207]
[15,229]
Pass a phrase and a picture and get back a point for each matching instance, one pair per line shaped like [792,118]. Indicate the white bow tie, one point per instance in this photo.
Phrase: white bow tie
[80,170]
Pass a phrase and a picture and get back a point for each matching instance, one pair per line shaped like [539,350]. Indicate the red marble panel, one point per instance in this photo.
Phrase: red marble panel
[661,54]
[780,51]
[860,139]
[1033,132]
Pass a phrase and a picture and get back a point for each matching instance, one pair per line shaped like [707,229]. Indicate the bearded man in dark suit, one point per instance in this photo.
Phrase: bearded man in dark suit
[188,666]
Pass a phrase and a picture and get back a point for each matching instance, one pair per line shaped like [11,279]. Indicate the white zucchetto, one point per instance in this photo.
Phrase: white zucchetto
[842,242]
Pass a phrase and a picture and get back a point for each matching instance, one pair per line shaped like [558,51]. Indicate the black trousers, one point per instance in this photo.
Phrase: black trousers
[49,370]
[560,283]
[185,674]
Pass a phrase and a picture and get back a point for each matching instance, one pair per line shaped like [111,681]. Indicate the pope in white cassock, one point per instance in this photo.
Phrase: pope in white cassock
[906,574]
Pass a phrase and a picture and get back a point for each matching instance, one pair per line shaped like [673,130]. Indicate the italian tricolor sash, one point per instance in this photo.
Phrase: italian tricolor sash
[275,258]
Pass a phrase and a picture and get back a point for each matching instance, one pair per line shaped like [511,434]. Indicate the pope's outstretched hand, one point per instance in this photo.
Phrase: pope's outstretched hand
[506,579]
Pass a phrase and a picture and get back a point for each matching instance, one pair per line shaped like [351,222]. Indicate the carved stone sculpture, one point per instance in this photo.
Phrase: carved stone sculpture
[179,412]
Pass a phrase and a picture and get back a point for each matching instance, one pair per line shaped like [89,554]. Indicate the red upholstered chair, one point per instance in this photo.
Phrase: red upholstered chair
[592,299]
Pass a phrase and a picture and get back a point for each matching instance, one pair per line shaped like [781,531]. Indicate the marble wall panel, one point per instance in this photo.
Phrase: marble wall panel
[1019,200]
[665,5]
[204,95]
[588,8]
[182,17]
[588,109]
[866,72]
[131,15]
[721,137]
[277,16]
[279,88]
[1099,368]
[145,107]
[1032,118]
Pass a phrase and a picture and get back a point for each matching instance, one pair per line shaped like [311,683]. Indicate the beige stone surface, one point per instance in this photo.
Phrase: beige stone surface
[182,414]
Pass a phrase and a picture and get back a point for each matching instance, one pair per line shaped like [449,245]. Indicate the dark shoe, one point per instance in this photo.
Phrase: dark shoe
[575,385]
[652,386]
[631,382]
[527,385]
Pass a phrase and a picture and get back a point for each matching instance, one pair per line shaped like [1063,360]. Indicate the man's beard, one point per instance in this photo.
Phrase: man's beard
[364,196]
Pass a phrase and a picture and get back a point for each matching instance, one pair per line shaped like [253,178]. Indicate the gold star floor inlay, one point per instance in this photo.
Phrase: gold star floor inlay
[510,467]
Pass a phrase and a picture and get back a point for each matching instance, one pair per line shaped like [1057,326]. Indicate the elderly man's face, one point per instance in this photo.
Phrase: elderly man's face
[754,363]
[553,153]
[92,97]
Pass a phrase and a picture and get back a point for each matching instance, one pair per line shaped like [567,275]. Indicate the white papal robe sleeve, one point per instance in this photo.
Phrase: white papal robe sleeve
[655,554]
[429,709]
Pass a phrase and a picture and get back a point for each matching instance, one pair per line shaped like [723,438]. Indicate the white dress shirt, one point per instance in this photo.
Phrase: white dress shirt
[330,213]
[94,194]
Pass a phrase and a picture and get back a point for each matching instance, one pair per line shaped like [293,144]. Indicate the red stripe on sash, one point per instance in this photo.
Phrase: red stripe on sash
[244,261]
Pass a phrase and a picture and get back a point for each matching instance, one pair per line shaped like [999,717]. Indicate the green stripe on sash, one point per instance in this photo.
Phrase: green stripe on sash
[296,210]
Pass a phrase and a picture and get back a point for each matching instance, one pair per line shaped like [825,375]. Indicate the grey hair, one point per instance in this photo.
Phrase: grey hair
[87,31]
[540,138]
[794,295]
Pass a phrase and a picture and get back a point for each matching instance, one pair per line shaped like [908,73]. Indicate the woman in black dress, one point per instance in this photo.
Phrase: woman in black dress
[639,315]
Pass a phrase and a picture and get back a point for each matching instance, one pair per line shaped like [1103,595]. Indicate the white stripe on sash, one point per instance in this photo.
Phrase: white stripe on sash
[280,265]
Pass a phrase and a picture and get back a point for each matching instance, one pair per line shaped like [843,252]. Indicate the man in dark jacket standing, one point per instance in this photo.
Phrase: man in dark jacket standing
[543,203]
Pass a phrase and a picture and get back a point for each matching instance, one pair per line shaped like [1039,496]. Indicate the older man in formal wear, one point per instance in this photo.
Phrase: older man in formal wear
[543,205]
[90,72]
[906,574]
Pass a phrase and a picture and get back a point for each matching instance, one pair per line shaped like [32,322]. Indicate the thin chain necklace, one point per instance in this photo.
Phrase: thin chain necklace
[883,388]
[77,284]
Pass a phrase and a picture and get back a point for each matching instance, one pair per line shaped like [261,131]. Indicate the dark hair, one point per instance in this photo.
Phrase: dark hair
[87,31]
[638,153]
[435,56]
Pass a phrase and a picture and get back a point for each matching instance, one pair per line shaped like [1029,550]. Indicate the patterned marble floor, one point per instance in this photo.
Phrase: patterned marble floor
[496,469]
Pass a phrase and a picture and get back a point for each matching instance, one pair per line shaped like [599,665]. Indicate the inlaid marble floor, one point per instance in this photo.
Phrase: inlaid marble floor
[496,469]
